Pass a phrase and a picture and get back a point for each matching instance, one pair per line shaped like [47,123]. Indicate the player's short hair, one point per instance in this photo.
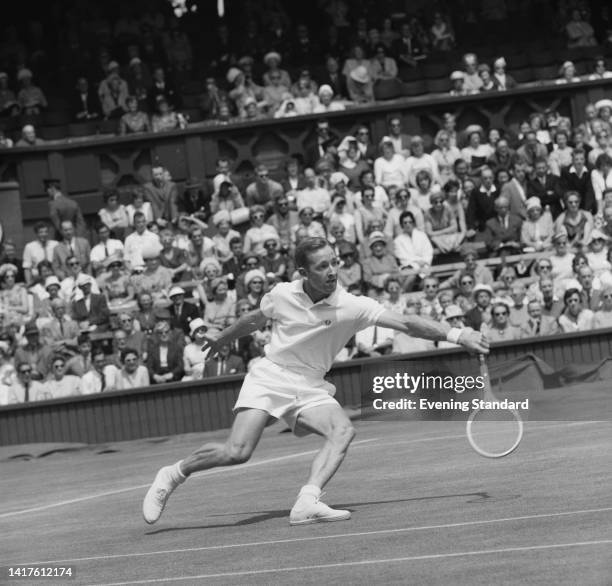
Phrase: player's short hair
[306,247]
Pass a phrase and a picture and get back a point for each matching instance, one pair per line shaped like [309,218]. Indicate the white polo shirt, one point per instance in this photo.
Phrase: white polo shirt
[307,336]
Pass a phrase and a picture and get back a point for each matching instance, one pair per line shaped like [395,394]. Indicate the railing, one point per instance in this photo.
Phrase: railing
[206,405]
[86,166]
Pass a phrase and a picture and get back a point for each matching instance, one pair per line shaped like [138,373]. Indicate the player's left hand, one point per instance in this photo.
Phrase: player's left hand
[474,341]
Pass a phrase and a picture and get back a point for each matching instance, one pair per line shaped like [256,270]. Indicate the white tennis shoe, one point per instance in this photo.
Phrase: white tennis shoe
[159,493]
[305,512]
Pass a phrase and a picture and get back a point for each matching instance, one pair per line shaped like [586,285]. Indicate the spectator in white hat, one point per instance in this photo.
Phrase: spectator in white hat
[360,85]
[537,229]
[272,60]
[458,88]
[598,252]
[155,279]
[194,359]
[502,79]
[31,98]
[567,73]
[481,312]
[182,312]
[274,92]
[326,101]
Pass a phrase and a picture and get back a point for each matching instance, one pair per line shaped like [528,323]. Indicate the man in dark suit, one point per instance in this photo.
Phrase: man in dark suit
[503,231]
[481,205]
[578,178]
[537,324]
[85,103]
[407,50]
[90,308]
[400,140]
[317,148]
[334,78]
[70,246]
[516,190]
[182,313]
[62,208]
[223,364]
[591,298]
[165,359]
[547,187]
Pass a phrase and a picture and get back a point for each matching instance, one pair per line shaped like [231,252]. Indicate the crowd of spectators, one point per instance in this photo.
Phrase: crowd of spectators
[127,302]
[145,71]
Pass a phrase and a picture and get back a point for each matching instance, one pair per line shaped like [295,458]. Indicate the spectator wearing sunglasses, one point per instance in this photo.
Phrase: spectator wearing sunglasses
[263,191]
[259,231]
[350,272]
[59,384]
[500,329]
[23,387]
[69,247]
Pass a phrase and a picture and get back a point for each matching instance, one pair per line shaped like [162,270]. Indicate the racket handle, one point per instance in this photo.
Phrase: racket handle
[484,372]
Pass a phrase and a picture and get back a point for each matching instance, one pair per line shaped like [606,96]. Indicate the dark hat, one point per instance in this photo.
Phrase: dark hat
[51,181]
[31,329]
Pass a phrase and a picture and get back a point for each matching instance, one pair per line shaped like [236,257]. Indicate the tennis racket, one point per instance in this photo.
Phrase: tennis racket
[493,433]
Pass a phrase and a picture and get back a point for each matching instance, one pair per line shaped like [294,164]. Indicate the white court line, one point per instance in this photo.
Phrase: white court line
[321,537]
[141,486]
[244,467]
[435,556]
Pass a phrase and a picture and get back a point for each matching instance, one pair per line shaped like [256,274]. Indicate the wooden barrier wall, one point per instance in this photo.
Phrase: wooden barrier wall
[207,405]
[86,166]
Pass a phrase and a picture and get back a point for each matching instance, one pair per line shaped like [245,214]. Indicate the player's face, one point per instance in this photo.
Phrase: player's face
[322,271]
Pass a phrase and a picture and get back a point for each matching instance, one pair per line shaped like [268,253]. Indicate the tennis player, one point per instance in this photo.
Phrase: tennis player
[313,318]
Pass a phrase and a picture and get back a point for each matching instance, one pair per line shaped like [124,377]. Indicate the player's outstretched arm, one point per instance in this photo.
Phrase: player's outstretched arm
[243,326]
[420,327]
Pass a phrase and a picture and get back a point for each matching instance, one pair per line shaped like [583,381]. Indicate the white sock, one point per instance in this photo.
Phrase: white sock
[176,473]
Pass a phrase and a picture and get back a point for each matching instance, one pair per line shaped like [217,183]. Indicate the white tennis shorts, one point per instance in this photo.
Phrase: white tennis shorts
[283,393]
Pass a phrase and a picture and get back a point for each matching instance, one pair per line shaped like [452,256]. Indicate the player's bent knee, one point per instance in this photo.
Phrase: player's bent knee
[343,435]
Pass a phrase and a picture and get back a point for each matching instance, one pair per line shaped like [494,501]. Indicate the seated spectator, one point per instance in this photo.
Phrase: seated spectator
[399,139]
[389,168]
[503,231]
[442,35]
[46,290]
[273,261]
[114,215]
[500,329]
[254,284]
[575,222]
[100,376]
[90,309]
[9,256]
[381,264]
[224,363]
[326,102]
[138,194]
[472,81]
[145,317]
[441,225]
[577,178]
[562,259]
[220,311]
[600,70]
[546,187]
[263,191]
[8,101]
[532,149]
[113,94]
[226,197]
[350,271]
[165,360]
[182,312]
[34,354]
[132,374]
[32,100]
[304,97]
[367,212]
[129,335]
[338,214]
[352,165]
[601,179]
[134,120]
[164,119]
[481,312]
[21,388]
[70,247]
[476,153]
[502,80]
[403,202]
[445,155]
[598,253]
[162,87]
[360,86]
[259,231]
[156,279]
[413,249]
[567,73]
[418,161]
[561,156]
[538,324]
[480,272]
[408,49]
[14,306]
[579,32]
[537,230]
[382,65]
[488,83]
[28,137]
[242,89]
[85,103]
[36,251]
[575,318]
[602,318]
[59,384]
[272,60]
[139,81]
[80,363]
[457,79]
[601,146]
[425,188]
[138,241]
[194,360]
[275,92]
[212,100]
